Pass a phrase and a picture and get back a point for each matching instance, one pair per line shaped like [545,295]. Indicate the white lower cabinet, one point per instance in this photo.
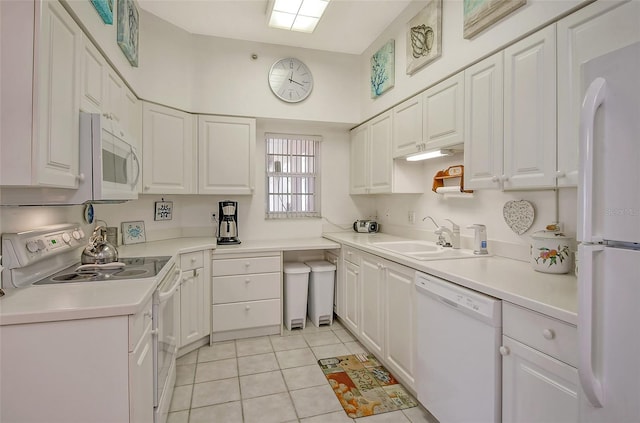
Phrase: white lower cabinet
[352,283]
[195,298]
[338,287]
[539,380]
[399,322]
[247,295]
[379,310]
[96,370]
[371,294]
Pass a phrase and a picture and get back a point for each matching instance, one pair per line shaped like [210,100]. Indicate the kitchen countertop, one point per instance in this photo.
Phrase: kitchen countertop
[510,280]
[83,300]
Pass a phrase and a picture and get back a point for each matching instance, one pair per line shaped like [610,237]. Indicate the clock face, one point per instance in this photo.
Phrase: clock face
[290,80]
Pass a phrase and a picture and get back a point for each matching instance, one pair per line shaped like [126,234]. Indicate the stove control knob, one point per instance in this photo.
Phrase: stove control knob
[41,245]
[76,235]
[32,246]
[81,233]
[66,237]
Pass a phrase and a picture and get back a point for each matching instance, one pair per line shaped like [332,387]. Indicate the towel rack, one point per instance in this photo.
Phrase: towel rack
[451,172]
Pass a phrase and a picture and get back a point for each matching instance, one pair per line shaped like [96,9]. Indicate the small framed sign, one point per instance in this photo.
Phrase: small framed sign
[133,232]
[164,210]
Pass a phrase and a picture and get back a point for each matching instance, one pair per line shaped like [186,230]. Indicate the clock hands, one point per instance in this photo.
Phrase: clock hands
[296,82]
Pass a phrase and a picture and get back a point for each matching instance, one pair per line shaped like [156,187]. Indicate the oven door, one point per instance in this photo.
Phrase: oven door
[166,309]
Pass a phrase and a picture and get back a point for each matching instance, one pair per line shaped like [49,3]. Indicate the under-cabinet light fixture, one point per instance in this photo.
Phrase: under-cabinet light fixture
[429,155]
[296,15]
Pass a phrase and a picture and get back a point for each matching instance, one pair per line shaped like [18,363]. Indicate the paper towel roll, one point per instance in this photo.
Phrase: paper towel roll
[443,190]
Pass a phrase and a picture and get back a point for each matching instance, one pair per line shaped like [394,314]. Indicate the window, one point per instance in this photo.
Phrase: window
[293,176]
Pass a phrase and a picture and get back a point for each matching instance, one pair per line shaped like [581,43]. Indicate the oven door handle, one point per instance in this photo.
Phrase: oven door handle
[163,296]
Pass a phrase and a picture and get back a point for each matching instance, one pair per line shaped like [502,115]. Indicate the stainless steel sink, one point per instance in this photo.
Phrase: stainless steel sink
[424,250]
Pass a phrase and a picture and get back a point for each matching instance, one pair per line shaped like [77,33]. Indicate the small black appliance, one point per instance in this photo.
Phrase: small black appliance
[228,226]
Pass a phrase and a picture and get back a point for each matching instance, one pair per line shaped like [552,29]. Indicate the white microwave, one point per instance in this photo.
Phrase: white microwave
[109,169]
[115,166]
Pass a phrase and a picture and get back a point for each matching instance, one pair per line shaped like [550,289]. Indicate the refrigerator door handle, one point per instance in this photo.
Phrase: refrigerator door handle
[591,385]
[593,99]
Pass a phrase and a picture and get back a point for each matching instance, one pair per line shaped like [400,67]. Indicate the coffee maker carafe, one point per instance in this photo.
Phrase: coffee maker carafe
[228,227]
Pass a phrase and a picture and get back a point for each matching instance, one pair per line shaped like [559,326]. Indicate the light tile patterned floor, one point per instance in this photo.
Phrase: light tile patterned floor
[270,379]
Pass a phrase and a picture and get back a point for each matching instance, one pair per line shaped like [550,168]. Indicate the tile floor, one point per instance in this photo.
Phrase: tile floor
[270,379]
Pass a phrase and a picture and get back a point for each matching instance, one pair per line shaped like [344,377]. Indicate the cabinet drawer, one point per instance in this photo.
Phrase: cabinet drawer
[232,289]
[243,266]
[548,335]
[192,261]
[351,255]
[250,314]
[138,323]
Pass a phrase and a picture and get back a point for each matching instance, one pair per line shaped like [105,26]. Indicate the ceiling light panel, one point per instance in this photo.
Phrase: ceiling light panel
[313,8]
[304,24]
[287,6]
[297,15]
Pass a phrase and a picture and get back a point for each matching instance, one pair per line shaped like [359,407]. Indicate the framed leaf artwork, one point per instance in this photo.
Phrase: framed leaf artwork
[424,36]
[383,74]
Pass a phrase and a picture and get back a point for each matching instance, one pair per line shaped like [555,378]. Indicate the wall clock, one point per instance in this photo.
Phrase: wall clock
[290,80]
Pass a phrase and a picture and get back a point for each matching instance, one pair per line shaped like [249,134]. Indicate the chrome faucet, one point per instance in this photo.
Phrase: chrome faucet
[439,230]
[454,234]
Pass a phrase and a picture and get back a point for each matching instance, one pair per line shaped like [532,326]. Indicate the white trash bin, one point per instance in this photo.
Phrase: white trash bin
[321,282]
[296,287]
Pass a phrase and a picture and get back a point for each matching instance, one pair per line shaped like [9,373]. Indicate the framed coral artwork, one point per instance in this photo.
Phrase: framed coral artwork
[424,36]
[383,74]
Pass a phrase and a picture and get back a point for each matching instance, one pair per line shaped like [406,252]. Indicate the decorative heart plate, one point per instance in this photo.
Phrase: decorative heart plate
[518,215]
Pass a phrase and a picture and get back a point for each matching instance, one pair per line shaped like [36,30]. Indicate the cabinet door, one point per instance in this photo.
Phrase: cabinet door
[194,304]
[93,71]
[226,155]
[380,160]
[338,289]
[443,118]
[57,143]
[359,170]
[530,111]
[483,124]
[583,35]
[141,380]
[132,123]
[536,387]
[352,296]
[372,306]
[168,165]
[407,127]
[399,321]
[115,101]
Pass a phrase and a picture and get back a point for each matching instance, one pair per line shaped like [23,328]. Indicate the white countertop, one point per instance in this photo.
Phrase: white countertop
[510,280]
[82,300]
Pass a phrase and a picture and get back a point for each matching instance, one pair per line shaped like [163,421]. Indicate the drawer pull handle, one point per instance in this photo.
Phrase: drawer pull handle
[247,264]
[247,280]
[504,350]
[247,308]
[548,334]
[193,259]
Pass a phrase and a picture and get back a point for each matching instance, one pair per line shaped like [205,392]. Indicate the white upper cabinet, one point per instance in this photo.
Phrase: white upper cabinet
[443,114]
[93,78]
[583,35]
[407,128]
[510,116]
[359,169]
[373,169]
[530,111]
[483,123]
[433,119]
[226,155]
[115,96]
[168,161]
[380,160]
[40,95]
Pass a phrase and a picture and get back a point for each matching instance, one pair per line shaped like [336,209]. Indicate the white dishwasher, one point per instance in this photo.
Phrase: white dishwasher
[459,371]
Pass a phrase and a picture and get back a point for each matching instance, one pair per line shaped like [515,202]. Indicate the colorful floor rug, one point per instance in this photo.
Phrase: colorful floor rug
[363,386]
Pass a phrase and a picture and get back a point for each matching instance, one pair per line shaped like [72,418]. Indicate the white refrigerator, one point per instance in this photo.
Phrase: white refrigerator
[609,235]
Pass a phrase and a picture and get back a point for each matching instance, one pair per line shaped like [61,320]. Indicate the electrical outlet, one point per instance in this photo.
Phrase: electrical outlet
[412,217]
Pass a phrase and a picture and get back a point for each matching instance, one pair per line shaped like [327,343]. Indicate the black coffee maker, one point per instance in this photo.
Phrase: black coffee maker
[228,227]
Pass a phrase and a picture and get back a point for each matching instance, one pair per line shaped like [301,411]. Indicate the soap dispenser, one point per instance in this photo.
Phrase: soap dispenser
[480,241]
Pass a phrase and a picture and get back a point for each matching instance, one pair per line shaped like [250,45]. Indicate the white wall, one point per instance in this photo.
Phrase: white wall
[485,207]
[457,53]
[215,75]
[192,213]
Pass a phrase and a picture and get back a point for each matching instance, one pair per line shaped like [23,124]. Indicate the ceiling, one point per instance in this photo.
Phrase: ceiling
[348,26]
